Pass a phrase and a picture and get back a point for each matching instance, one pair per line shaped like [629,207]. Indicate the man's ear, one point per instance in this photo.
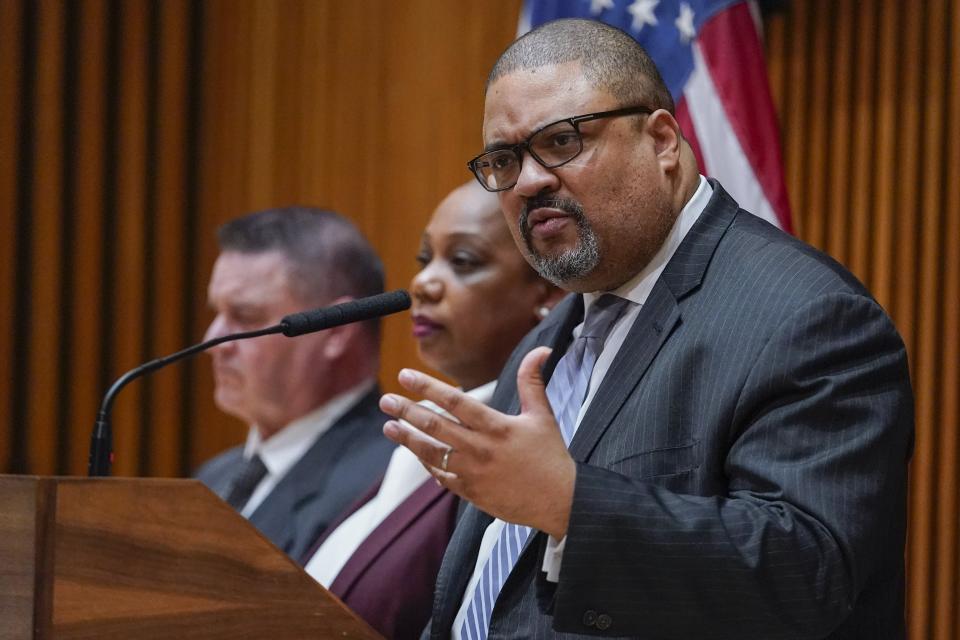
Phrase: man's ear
[337,340]
[667,138]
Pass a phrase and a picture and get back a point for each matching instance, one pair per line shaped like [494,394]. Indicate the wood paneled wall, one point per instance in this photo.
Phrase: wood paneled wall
[99,187]
[129,129]
[371,108]
[869,102]
[132,128]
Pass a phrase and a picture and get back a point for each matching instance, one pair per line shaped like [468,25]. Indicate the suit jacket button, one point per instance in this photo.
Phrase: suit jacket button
[604,621]
[590,618]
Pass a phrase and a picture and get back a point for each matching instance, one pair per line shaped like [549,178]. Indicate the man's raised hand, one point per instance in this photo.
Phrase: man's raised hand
[516,468]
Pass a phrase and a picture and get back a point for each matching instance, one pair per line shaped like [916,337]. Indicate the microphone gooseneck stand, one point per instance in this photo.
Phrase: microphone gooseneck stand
[295,324]
[101,443]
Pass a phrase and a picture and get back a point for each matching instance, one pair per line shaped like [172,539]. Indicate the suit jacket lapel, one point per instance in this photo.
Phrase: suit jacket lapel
[380,539]
[559,338]
[650,330]
[656,321]
[278,516]
[222,482]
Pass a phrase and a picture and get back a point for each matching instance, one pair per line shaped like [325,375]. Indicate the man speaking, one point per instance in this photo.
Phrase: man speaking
[709,439]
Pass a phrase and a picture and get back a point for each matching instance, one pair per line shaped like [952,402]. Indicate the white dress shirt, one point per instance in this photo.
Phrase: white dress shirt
[636,290]
[404,475]
[285,448]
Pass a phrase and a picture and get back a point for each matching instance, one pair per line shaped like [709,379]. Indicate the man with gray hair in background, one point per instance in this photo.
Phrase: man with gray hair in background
[314,443]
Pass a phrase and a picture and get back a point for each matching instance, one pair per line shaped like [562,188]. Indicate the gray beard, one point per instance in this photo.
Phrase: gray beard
[570,265]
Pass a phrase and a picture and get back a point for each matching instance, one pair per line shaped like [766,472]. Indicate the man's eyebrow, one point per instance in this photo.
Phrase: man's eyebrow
[496,146]
[241,308]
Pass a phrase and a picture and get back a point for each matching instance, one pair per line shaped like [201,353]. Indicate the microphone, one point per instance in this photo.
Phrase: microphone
[381,304]
[295,324]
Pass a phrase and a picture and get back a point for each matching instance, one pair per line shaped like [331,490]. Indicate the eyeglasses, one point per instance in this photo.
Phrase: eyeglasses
[552,146]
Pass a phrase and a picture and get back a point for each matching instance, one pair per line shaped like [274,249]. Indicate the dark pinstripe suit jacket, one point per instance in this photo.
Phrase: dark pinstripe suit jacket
[741,470]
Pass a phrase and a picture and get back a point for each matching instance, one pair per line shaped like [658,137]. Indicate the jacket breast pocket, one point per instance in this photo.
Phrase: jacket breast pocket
[659,463]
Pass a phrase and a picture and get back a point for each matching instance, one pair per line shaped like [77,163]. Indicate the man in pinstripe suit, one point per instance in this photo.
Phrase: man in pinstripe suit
[739,461]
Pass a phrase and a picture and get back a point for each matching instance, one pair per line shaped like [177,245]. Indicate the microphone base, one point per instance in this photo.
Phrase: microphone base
[101,450]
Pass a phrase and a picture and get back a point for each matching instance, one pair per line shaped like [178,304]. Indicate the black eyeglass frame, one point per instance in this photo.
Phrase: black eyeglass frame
[518,148]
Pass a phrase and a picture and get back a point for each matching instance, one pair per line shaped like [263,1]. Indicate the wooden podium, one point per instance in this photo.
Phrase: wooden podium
[105,558]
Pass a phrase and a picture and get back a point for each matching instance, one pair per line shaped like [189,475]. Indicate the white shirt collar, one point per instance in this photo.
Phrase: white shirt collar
[483,393]
[638,288]
[282,450]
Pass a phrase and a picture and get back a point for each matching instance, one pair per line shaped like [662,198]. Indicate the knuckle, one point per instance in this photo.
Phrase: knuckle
[430,424]
[452,400]
[417,383]
[498,430]
[402,435]
[402,409]
[483,455]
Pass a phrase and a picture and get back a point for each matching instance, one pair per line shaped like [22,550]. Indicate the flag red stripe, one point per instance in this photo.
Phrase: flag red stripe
[734,57]
[689,131]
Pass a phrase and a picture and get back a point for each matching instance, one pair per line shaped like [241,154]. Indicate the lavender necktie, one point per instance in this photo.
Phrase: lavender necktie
[566,392]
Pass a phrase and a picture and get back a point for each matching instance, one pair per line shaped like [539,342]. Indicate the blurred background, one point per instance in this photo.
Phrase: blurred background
[130,129]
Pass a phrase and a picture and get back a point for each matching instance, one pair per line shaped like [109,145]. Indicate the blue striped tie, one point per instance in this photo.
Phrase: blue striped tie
[566,392]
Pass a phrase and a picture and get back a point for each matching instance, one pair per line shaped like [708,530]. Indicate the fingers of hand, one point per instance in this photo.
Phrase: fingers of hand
[446,479]
[430,451]
[425,419]
[532,365]
[442,476]
[468,410]
[530,385]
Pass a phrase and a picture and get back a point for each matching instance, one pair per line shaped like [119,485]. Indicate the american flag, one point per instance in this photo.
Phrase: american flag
[710,55]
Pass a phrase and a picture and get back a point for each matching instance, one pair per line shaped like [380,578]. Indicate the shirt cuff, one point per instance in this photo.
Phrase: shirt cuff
[553,557]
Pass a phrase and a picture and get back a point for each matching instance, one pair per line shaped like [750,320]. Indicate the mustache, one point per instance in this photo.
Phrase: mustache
[567,205]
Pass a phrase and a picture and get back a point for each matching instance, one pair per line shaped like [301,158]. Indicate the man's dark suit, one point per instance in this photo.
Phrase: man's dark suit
[334,472]
[741,471]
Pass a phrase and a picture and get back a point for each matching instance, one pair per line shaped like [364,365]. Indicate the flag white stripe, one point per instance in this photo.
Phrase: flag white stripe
[722,153]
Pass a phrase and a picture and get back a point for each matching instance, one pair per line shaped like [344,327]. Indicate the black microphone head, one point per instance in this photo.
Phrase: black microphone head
[382,304]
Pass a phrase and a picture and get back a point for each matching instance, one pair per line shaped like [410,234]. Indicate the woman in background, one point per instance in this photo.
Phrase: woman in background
[473,300]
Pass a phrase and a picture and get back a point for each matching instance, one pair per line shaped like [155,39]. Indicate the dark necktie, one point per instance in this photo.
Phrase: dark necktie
[566,392]
[246,480]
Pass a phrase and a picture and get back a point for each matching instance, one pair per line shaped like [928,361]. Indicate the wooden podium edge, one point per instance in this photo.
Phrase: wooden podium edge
[123,537]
